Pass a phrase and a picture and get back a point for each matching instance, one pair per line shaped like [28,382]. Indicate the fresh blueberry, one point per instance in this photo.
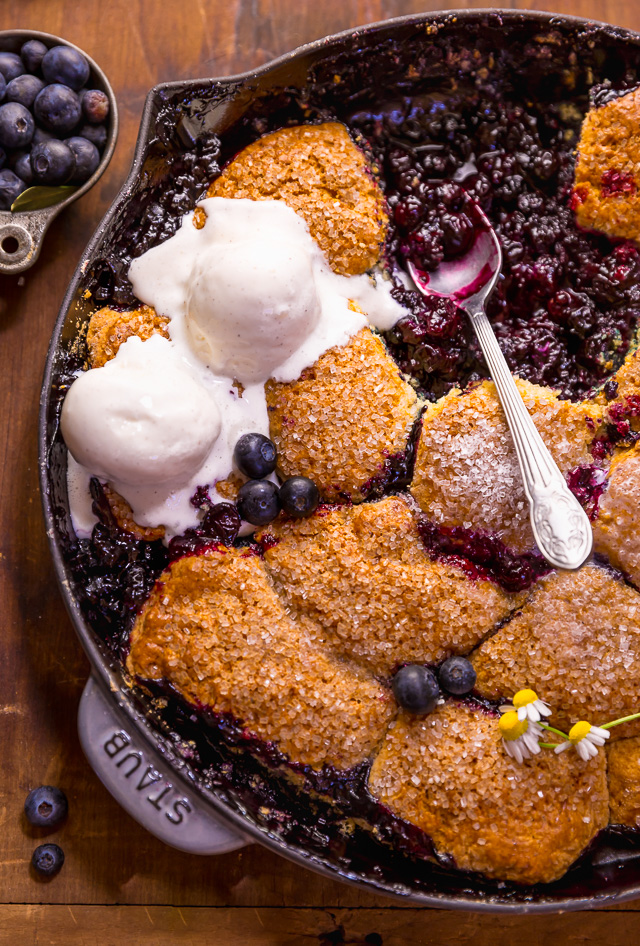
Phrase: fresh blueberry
[57,108]
[16,125]
[66,65]
[23,89]
[47,859]
[258,502]
[255,455]
[95,106]
[46,806]
[41,135]
[10,187]
[416,689]
[299,496]
[96,134]
[31,54]
[457,676]
[11,65]
[22,166]
[3,86]
[87,159]
[52,162]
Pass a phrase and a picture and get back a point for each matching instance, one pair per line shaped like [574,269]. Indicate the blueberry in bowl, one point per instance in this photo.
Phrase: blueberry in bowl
[58,128]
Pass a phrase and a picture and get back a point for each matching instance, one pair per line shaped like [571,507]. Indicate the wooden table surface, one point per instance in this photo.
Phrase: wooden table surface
[119,885]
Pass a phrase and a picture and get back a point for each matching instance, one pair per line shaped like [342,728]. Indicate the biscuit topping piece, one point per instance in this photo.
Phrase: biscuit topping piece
[606,195]
[363,576]
[578,639]
[616,531]
[447,774]
[319,172]
[467,471]
[216,630]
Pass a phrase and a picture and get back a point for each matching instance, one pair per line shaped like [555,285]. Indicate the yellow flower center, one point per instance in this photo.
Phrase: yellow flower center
[524,697]
[579,731]
[511,727]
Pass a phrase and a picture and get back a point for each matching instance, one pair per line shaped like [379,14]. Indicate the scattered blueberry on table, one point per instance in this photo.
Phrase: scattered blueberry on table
[457,676]
[416,689]
[47,859]
[44,100]
[46,806]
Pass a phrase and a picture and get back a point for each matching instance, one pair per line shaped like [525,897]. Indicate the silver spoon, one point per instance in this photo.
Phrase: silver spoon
[560,525]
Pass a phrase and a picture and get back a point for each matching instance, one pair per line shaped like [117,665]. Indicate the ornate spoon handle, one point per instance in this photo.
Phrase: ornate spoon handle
[560,525]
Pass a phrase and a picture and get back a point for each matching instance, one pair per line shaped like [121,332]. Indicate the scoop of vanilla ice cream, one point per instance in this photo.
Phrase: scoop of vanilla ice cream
[142,419]
[251,305]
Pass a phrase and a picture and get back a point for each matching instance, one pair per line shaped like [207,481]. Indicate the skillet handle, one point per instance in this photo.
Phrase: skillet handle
[133,773]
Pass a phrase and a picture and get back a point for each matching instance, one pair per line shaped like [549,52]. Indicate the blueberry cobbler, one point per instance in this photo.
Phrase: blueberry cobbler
[299,513]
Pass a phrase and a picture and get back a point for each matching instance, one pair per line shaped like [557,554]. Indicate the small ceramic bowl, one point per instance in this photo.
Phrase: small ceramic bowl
[22,232]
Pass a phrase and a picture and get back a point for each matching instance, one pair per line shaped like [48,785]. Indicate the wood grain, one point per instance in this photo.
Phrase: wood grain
[251,896]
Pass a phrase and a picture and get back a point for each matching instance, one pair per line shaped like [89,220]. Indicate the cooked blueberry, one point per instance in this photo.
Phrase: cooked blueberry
[416,689]
[47,859]
[3,157]
[258,502]
[22,167]
[3,86]
[31,54]
[23,89]
[16,125]
[46,806]
[11,65]
[96,134]
[87,159]
[95,106]
[10,187]
[66,65]
[52,162]
[457,676]
[299,496]
[255,455]
[57,108]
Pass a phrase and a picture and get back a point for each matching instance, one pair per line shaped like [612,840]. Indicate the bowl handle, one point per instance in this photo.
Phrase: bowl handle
[21,236]
[133,773]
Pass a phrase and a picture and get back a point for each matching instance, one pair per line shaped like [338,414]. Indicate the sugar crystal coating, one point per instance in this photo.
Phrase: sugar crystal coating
[215,628]
[320,173]
[362,575]
[623,771]
[108,329]
[448,774]
[467,471]
[616,531]
[607,177]
[576,642]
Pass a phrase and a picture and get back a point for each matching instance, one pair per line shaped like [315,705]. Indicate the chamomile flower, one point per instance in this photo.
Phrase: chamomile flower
[527,705]
[586,739]
[520,737]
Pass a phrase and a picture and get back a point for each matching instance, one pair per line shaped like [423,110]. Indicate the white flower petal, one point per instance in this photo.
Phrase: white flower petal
[597,731]
[563,745]
[507,708]
[542,708]
[522,713]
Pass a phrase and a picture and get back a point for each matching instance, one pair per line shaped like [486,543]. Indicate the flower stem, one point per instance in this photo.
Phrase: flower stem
[559,732]
[547,745]
[623,719]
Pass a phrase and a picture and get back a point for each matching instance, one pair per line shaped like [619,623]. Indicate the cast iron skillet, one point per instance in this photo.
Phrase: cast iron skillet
[147,761]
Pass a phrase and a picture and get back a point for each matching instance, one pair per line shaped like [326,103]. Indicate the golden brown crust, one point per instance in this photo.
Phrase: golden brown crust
[109,329]
[623,769]
[467,471]
[576,642]
[341,420]
[123,515]
[362,575]
[321,174]
[448,774]
[215,628]
[609,147]
[616,531]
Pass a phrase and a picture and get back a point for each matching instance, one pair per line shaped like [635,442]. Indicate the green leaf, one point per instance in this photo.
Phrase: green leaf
[36,198]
